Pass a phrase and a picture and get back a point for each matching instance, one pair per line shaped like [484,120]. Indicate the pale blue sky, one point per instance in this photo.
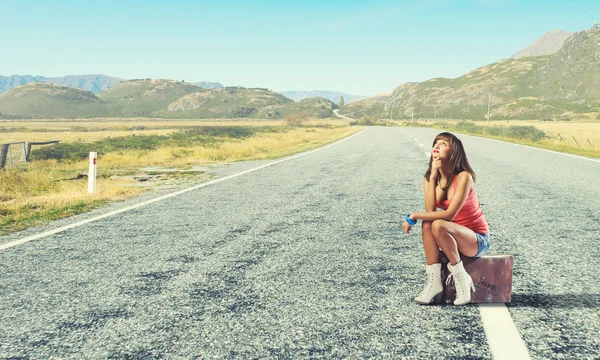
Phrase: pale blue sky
[359,47]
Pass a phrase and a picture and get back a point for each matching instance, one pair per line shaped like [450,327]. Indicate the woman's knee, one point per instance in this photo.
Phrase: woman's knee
[438,227]
[426,226]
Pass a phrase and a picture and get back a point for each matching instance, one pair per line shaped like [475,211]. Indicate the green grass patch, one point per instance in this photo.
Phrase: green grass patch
[191,136]
[10,222]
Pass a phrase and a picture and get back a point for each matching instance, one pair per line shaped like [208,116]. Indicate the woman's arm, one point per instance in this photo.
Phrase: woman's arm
[464,185]
[429,184]
[429,191]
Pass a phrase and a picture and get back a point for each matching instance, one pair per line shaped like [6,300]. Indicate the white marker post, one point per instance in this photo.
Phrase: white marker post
[92,173]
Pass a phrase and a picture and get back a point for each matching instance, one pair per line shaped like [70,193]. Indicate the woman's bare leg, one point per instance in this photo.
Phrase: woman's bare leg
[431,247]
[433,292]
[453,239]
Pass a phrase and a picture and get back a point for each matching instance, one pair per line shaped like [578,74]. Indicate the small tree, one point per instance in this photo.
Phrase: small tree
[341,100]
[368,120]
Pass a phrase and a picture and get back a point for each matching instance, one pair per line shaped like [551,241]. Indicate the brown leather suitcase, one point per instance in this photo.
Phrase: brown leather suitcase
[491,274]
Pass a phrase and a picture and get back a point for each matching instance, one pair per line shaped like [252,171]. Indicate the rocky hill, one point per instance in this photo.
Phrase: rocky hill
[46,100]
[526,88]
[572,73]
[314,107]
[548,44]
[228,102]
[145,97]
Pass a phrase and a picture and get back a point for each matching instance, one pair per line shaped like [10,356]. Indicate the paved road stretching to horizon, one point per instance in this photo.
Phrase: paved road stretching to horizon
[306,258]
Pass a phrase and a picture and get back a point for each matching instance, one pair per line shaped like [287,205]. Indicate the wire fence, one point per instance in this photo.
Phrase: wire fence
[581,143]
[13,154]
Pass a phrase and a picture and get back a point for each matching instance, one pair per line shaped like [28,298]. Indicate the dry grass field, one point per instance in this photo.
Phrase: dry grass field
[569,131]
[580,138]
[44,190]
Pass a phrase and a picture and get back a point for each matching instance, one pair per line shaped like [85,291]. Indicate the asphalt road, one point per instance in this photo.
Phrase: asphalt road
[306,259]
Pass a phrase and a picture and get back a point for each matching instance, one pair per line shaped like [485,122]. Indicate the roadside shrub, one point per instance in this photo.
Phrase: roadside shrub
[495,130]
[367,120]
[526,132]
[468,126]
[296,119]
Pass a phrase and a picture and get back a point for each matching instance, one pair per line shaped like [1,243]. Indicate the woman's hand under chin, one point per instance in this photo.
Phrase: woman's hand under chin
[436,165]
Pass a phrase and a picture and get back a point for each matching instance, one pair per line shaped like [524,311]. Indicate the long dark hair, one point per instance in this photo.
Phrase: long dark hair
[458,159]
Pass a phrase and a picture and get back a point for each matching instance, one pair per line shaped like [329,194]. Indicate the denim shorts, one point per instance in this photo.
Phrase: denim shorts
[483,244]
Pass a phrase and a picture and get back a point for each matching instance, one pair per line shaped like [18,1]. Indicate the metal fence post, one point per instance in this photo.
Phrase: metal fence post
[27,151]
[3,154]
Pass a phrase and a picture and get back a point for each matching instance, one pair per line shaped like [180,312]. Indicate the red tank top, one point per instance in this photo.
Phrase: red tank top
[470,215]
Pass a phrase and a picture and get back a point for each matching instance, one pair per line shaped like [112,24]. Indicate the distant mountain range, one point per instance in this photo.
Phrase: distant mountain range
[333,96]
[154,98]
[93,83]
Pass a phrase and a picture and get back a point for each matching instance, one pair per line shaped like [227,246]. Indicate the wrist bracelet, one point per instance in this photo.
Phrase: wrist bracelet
[409,221]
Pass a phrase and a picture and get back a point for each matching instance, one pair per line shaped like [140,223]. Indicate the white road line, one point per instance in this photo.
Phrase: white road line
[503,338]
[502,335]
[170,195]
[421,145]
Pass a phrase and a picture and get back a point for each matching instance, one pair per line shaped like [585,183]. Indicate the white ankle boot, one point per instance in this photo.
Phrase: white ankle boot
[433,292]
[462,282]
